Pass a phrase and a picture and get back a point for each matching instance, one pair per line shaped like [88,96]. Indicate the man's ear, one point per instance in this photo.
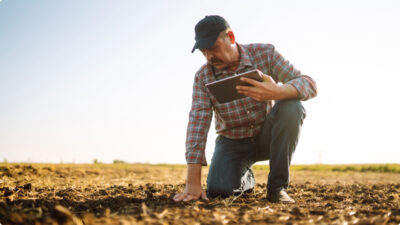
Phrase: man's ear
[231,37]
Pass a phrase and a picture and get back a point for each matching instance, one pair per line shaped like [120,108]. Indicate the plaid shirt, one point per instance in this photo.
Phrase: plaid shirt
[244,117]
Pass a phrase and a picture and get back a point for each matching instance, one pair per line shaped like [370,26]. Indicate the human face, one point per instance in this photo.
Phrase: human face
[220,55]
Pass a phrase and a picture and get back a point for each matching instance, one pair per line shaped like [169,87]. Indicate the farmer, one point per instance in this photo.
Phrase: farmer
[250,129]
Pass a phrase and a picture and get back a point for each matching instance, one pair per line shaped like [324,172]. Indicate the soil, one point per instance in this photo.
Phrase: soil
[142,194]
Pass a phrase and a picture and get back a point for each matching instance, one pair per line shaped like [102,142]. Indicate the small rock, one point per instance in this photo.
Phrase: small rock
[28,186]
[296,211]
[62,211]
[8,192]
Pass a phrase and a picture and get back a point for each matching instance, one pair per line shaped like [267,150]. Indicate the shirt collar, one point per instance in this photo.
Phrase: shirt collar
[244,61]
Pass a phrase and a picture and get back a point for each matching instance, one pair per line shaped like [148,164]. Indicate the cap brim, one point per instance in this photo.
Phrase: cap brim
[205,42]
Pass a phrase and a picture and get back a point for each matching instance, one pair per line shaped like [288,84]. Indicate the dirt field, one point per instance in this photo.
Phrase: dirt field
[141,194]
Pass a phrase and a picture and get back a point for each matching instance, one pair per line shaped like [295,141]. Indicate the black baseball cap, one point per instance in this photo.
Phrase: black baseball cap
[207,31]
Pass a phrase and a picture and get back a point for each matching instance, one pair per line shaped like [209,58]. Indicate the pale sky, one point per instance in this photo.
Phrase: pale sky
[106,80]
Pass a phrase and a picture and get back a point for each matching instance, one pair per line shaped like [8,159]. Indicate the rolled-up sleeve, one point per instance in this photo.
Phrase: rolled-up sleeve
[283,71]
[200,117]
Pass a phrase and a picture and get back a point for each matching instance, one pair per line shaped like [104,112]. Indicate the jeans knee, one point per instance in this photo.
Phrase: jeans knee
[223,190]
[291,111]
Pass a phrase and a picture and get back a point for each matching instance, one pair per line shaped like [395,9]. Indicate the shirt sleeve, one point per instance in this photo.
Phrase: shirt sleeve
[283,71]
[200,117]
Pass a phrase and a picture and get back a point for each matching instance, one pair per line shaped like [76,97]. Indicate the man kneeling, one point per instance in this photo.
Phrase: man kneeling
[250,129]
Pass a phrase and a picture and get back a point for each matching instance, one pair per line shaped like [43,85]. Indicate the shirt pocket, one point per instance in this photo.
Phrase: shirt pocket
[233,114]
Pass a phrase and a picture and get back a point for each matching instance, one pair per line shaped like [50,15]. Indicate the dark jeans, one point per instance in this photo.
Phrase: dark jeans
[230,170]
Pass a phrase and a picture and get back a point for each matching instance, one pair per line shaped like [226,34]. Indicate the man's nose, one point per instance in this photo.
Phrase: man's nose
[208,54]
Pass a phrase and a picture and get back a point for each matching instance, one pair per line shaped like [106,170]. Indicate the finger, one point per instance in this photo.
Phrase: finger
[204,196]
[255,96]
[250,91]
[268,79]
[250,81]
[246,93]
[257,99]
[176,197]
[179,197]
[242,88]
[190,198]
[246,89]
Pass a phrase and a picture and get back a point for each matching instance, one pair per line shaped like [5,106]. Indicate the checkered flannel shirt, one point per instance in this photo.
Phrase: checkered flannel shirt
[244,117]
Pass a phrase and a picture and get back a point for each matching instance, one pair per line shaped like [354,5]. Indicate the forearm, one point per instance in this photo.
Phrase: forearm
[193,174]
[200,118]
[193,190]
[288,91]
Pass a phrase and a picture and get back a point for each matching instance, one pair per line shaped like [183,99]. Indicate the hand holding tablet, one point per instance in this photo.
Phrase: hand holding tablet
[224,90]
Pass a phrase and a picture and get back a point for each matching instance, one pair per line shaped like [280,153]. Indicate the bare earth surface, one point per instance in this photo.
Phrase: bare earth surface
[141,194]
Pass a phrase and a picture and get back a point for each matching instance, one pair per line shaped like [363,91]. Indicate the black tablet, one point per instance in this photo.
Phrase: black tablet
[224,90]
